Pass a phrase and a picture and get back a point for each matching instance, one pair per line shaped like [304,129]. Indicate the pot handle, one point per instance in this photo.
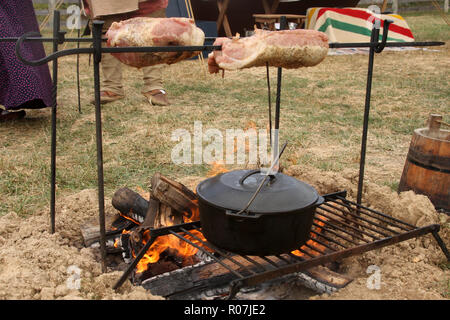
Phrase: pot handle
[252,172]
[320,201]
[236,214]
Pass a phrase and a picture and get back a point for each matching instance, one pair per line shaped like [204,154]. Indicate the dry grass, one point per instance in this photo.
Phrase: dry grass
[322,112]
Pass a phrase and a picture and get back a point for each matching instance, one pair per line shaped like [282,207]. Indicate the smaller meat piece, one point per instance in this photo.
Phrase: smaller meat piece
[287,48]
[148,32]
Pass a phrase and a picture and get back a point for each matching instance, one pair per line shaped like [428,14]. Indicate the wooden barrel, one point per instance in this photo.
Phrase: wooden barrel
[427,166]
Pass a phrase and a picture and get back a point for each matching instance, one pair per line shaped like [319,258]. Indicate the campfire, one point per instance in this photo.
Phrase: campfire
[161,239]
[170,203]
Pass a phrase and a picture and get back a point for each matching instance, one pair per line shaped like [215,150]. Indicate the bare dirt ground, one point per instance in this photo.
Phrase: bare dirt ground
[35,264]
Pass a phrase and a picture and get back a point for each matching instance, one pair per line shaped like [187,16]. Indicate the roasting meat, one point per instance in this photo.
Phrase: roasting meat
[287,48]
[140,32]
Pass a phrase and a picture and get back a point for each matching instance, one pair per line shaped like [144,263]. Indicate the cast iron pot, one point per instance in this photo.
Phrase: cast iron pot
[279,219]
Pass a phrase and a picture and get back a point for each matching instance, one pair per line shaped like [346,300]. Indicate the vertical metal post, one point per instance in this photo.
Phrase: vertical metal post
[373,38]
[97,44]
[275,142]
[78,60]
[56,34]
[269,101]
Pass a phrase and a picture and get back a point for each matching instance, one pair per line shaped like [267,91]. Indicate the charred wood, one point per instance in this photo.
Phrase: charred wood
[130,204]
[173,194]
[204,276]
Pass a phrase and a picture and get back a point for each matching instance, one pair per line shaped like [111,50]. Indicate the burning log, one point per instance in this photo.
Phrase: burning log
[323,280]
[174,194]
[170,203]
[91,234]
[192,281]
[130,204]
[168,198]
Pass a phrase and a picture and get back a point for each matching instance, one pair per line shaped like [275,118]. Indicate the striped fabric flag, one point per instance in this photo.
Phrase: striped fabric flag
[355,24]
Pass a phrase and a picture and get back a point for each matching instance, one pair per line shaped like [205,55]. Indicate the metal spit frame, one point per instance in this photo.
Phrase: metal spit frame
[342,227]
[97,49]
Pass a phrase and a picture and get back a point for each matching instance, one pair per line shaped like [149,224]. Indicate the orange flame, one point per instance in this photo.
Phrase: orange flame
[311,243]
[216,168]
[162,243]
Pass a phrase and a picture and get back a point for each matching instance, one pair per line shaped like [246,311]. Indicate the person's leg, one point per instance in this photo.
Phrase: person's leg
[111,80]
[112,75]
[153,88]
[152,77]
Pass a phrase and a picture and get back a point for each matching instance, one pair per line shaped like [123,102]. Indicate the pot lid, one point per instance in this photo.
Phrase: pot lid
[233,190]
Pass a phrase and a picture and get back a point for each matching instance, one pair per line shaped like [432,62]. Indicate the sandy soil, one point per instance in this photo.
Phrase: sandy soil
[35,264]
[414,269]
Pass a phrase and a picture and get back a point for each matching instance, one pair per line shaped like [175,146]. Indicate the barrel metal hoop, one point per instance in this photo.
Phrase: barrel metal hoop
[425,166]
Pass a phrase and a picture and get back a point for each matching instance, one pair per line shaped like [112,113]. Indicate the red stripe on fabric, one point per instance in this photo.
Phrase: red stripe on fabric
[365,16]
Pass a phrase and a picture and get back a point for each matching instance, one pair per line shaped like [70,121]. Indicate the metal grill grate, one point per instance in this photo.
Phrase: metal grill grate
[341,228]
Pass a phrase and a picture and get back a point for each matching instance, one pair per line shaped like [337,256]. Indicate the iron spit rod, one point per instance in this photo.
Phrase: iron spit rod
[377,212]
[332,45]
[373,44]
[79,39]
[359,217]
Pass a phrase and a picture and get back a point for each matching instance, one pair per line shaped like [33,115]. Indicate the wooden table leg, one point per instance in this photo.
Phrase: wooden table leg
[266,7]
[222,19]
[274,7]
[269,9]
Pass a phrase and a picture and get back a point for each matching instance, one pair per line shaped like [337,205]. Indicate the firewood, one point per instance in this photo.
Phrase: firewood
[164,193]
[173,194]
[167,216]
[203,276]
[130,204]
[325,275]
[90,232]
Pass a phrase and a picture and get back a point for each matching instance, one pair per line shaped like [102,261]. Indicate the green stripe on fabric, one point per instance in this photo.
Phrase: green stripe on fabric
[351,28]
